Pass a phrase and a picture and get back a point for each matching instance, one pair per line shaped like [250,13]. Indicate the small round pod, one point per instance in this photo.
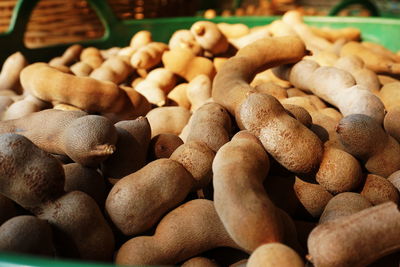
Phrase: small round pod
[7,209]
[199,91]
[339,171]
[113,69]
[163,145]
[200,262]
[156,86]
[70,55]
[209,36]
[394,178]
[184,63]
[20,108]
[210,124]
[130,202]
[178,96]
[239,167]
[81,69]
[130,150]
[148,56]
[358,134]
[274,254]
[186,231]
[391,122]
[358,239]
[140,38]
[197,158]
[185,38]
[266,118]
[92,56]
[314,197]
[87,180]
[27,234]
[80,228]
[20,160]
[299,113]
[378,189]
[344,204]
[168,120]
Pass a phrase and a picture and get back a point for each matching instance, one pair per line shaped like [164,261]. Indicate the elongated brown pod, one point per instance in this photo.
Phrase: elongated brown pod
[231,84]
[210,124]
[286,139]
[86,139]
[188,230]
[27,234]
[335,86]
[249,216]
[138,200]
[358,239]
[359,133]
[34,179]
[83,92]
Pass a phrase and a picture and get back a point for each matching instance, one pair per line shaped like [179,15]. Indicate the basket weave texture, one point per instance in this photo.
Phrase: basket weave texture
[67,21]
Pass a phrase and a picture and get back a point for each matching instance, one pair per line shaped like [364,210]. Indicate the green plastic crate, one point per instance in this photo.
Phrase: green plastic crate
[385,31]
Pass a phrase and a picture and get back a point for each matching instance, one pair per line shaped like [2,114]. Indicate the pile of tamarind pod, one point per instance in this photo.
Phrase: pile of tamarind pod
[276,145]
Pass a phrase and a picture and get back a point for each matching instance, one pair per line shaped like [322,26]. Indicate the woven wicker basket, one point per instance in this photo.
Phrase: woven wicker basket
[65,21]
[69,21]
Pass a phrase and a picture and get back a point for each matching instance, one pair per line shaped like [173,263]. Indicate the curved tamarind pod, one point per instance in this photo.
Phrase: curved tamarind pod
[83,92]
[241,165]
[357,239]
[231,84]
[188,230]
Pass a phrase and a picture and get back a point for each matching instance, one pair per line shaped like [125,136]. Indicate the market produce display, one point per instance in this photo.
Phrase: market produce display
[278,144]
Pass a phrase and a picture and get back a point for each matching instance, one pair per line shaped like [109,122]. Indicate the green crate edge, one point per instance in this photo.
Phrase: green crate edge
[380,30]
[385,31]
